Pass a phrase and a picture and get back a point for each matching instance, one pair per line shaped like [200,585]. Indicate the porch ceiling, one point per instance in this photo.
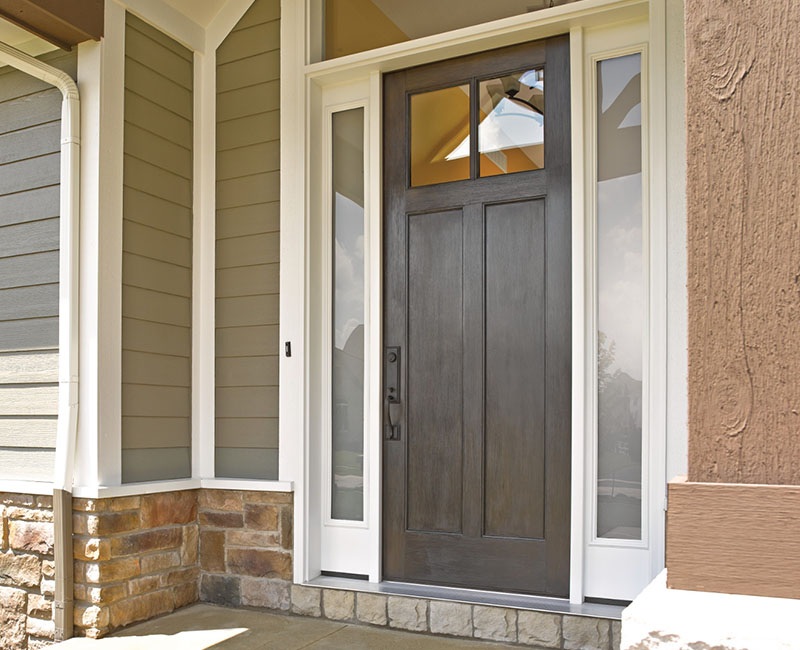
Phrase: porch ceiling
[64,24]
[201,12]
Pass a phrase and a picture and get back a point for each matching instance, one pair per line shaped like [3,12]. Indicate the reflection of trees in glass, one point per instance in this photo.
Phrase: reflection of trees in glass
[619,462]
[348,424]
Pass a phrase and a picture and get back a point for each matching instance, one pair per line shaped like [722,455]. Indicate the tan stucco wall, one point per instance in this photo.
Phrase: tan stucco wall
[743,60]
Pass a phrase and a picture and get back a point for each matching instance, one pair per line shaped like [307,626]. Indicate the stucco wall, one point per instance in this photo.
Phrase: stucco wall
[743,240]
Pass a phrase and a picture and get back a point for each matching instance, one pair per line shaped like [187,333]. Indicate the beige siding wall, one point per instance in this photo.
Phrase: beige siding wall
[157,256]
[247,263]
[30,124]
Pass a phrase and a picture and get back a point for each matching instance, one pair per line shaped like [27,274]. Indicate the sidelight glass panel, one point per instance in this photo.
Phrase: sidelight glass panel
[511,123]
[351,26]
[439,127]
[620,298]
[347,416]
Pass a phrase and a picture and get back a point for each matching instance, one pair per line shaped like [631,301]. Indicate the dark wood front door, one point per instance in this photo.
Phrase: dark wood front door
[477,324]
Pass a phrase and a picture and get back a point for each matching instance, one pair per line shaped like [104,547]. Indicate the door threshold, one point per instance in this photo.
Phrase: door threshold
[472,597]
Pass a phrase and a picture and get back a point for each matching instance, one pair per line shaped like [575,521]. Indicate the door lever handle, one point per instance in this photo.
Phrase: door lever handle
[393,413]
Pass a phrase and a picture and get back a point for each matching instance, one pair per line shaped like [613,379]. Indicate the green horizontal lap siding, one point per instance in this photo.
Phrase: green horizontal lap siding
[248,245]
[156,256]
[30,137]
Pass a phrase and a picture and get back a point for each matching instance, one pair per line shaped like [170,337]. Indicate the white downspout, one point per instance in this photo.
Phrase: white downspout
[68,375]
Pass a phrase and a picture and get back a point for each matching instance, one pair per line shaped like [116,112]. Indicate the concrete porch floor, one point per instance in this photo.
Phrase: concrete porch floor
[208,626]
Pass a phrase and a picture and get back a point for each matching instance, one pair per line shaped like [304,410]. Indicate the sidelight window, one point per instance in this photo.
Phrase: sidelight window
[620,297]
[347,385]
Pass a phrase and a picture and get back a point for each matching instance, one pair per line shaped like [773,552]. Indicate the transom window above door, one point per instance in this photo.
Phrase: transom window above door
[507,111]
[351,26]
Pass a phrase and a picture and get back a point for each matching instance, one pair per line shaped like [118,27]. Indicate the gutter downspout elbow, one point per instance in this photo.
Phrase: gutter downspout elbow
[68,324]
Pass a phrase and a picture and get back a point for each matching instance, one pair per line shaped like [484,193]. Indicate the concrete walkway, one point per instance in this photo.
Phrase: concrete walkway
[208,626]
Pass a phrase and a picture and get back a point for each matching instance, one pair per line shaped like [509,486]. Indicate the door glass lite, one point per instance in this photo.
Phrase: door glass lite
[347,398]
[511,123]
[620,298]
[439,129]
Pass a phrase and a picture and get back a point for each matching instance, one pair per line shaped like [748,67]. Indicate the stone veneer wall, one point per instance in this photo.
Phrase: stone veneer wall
[246,543]
[135,558]
[504,624]
[27,571]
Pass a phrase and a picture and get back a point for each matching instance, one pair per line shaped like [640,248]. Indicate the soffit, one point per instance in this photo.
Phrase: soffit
[64,24]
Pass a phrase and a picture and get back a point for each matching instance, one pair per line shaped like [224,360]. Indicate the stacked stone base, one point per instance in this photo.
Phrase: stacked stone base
[508,625]
[27,571]
[139,557]
[135,558]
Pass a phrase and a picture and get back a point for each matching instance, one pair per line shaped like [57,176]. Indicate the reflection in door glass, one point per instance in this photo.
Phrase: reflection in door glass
[511,126]
[347,418]
[439,124]
[620,298]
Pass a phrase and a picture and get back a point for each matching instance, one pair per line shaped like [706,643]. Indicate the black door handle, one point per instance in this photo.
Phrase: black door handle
[393,413]
[392,404]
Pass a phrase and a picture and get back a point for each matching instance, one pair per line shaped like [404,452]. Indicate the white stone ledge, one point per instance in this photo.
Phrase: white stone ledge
[674,619]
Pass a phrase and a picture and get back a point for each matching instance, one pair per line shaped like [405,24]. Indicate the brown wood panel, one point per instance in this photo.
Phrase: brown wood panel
[515,369]
[742,242]
[735,539]
[434,371]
